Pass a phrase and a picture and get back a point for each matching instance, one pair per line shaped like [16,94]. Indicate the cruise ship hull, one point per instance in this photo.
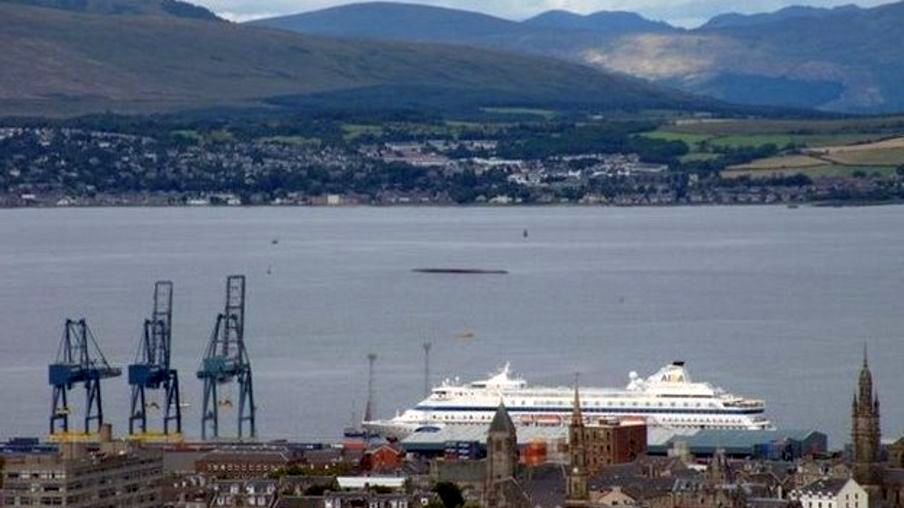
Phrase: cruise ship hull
[667,399]
[399,427]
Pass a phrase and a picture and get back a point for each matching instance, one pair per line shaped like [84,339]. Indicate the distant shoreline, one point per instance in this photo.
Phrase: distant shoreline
[812,204]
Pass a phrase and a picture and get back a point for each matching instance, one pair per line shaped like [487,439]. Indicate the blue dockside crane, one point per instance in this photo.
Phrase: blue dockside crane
[79,361]
[226,360]
[152,371]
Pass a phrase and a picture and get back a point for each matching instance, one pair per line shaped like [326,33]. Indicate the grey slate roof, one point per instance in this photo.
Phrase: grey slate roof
[545,486]
[767,502]
[643,467]
[643,489]
[825,486]
[299,502]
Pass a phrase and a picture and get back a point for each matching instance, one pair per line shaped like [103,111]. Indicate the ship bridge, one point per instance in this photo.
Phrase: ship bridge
[671,381]
[500,382]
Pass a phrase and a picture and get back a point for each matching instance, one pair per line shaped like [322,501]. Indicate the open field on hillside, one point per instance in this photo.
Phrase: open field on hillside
[698,156]
[885,144]
[687,138]
[702,136]
[888,157]
[889,152]
[752,140]
[542,113]
[853,126]
[782,162]
[814,147]
[883,157]
[693,140]
[826,170]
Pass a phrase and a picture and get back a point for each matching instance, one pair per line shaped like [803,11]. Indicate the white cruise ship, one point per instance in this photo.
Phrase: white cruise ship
[668,398]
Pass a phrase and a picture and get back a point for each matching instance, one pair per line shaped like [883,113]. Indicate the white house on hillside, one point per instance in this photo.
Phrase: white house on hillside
[832,493]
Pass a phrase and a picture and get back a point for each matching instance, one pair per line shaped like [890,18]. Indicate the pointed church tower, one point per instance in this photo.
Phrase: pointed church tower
[502,457]
[865,430]
[576,494]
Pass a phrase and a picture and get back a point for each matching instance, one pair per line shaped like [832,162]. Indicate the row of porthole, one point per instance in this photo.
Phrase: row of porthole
[612,404]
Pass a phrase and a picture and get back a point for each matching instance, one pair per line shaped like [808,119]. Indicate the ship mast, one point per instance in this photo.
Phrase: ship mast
[427,347]
[369,408]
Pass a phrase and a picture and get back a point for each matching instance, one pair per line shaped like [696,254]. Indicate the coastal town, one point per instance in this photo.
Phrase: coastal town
[451,253]
[65,167]
[663,441]
[585,461]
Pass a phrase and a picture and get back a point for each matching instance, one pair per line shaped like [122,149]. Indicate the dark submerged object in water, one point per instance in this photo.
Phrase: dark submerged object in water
[460,271]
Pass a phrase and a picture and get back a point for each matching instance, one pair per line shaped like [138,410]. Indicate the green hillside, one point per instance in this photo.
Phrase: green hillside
[174,8]
[64,62]
[396,21]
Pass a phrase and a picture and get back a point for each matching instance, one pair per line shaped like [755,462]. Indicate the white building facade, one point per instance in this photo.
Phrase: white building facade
[832,493]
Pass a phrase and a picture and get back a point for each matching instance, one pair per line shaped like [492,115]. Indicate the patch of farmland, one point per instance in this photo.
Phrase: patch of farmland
[781,162]
[826,170]
[886,157]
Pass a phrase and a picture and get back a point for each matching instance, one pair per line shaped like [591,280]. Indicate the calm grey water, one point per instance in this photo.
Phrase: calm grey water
[768,302]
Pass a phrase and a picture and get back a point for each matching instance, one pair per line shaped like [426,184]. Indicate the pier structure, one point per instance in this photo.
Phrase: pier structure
[226,361]
[79,361]
[152,371]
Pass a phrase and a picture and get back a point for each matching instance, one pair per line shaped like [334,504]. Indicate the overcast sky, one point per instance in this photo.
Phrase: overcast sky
[680,12]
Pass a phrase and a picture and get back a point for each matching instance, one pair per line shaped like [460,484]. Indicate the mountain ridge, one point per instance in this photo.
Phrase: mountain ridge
[174,8]
[849,56]
[69,62]
[413,22]
[793,12]
[600,21]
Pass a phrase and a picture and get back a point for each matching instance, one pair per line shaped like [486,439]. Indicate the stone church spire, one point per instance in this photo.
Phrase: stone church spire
[576,492]
[865,429]
[502,458]
[577,417]
[865,384]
